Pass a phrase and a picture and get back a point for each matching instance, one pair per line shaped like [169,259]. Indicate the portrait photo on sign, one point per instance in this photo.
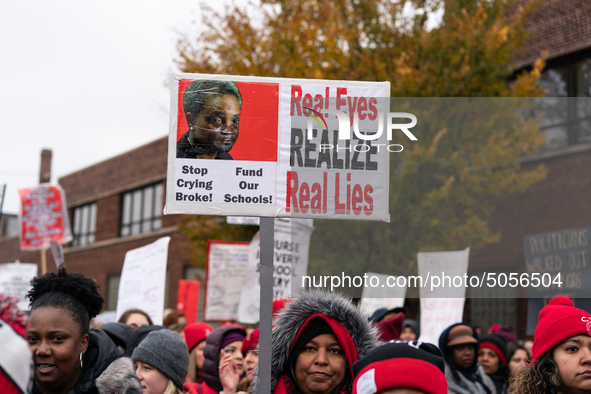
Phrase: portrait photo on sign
[227,120]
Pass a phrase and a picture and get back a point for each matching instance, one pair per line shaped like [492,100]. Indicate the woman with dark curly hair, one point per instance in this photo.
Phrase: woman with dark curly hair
[561,353]
[68,356]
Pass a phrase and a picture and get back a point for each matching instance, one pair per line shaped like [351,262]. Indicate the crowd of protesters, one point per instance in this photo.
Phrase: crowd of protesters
[321,344]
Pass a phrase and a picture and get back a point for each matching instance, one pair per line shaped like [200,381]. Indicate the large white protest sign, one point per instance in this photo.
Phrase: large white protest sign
[290,263]
[373,298]
[15,281]
[441,306]
[227,263]
[294,148]
[143,280]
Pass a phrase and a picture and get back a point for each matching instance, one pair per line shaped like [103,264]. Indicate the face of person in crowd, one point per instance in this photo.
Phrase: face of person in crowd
[573,358]
[56,342]
[518,361]
[237,359]
[489,360]
[153,381]
[408,334]
[136,320]
[199,357]
[181,320]
[320,366]
[463,355]
[216,126]
[251,361]
[528,346]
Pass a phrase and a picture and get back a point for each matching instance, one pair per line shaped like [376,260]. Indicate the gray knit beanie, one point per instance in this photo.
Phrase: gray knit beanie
[166,351]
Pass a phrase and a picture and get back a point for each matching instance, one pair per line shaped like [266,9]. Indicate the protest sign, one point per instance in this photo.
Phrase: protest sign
[188,299]
[444,305]
[226,269]
[15,281]
[44,216]
[373,298]
[143,280]
[290,148]
[557,263]
[290,263]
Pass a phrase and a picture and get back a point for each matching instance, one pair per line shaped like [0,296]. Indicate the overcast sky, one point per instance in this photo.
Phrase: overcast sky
[84,79]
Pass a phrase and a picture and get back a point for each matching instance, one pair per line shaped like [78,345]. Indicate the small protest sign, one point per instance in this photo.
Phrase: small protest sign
[188,299]
[44,216]
[290,263]
[15,281]
[143,280]
[373,298]
[441,306]
[226,269]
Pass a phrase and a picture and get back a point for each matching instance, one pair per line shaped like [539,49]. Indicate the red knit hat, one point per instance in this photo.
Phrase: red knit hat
[390,328]
[278,305]
[557,322]
[195,333]
[397,364]
[249,343]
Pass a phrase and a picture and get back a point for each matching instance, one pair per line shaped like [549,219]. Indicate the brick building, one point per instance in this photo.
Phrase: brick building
[115,206]
[563,29]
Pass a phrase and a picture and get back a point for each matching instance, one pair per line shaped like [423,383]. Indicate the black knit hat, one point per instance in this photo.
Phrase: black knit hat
[166,351]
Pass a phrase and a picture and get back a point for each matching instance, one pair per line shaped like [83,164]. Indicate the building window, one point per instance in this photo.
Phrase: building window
[567,121]
[84,225]
[142,210]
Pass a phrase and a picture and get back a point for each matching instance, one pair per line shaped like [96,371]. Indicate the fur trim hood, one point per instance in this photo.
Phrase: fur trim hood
[297,312]
[118,378]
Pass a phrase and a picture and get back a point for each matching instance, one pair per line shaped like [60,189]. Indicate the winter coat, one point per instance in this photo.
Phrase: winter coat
[353,331]
[106,371]
[471,381]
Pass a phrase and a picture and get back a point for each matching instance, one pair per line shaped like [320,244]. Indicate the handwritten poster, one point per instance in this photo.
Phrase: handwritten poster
[15,281]
[227,263]
[441,306]
[290,263]
[143,280]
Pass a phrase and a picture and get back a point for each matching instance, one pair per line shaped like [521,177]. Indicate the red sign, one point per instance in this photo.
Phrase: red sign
[188,299]
[44,217]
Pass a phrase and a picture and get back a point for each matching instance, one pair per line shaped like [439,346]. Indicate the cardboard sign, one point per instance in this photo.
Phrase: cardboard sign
[15,281]
[143,280]
[441,306]
[44,216]
[290,263]
[188,299]
[227,263]
[291,148]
